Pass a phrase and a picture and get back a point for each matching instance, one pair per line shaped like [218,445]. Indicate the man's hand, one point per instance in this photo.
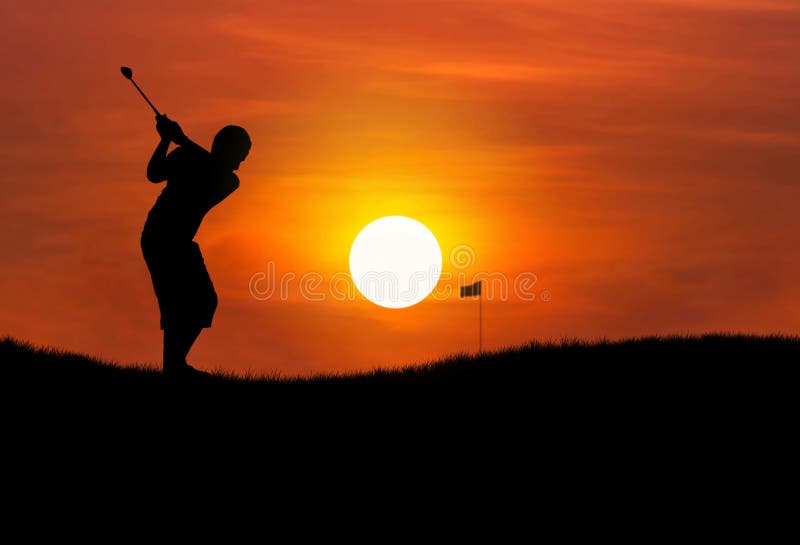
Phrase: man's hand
[169,129]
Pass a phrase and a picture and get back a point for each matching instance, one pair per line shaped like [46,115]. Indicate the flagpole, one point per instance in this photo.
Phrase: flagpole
[480,321]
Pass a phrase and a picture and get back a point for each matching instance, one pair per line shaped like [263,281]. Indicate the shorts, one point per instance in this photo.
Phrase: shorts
[185,293]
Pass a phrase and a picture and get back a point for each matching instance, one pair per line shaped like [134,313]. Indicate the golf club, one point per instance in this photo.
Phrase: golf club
[128,73]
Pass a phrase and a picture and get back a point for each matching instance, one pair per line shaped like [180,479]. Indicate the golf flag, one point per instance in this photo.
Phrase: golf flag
[473,290]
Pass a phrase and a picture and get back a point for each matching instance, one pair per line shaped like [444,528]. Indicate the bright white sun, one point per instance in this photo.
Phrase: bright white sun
[395,262]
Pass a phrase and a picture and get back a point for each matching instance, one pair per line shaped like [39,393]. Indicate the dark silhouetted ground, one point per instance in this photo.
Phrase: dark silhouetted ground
[651,364]
[672,407]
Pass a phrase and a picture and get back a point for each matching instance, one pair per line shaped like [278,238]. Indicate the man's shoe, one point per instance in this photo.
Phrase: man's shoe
[184,372]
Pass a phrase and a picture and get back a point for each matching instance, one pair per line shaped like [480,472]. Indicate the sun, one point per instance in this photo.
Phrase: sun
[395,261]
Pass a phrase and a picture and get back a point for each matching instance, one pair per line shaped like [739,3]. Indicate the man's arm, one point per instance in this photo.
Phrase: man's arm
[170,131]
[173,132]
[157,167]
[185,143]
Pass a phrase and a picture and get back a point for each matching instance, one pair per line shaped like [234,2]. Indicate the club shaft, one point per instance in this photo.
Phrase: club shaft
[145,97]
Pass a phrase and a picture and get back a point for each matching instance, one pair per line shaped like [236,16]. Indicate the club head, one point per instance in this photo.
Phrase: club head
[127,72]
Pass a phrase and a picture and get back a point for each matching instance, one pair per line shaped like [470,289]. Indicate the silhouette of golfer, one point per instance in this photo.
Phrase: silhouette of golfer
[196,182]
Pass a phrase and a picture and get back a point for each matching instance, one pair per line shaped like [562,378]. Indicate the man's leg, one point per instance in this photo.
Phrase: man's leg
[190,337]
[177,343]
[172,360]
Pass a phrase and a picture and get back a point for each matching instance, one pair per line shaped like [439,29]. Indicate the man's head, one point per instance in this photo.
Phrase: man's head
[231,146]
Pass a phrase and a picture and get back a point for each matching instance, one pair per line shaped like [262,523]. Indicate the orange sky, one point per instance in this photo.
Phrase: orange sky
[639,157]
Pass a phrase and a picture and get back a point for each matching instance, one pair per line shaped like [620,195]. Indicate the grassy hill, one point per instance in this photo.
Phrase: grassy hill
[681,362]
[570,399]
[675,417]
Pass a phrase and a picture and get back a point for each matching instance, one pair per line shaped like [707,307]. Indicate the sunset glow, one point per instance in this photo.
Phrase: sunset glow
[609,168]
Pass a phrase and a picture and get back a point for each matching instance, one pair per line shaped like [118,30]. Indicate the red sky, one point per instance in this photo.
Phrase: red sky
[639,157]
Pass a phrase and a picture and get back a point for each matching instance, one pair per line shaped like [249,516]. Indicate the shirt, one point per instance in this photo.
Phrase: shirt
[194,186]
